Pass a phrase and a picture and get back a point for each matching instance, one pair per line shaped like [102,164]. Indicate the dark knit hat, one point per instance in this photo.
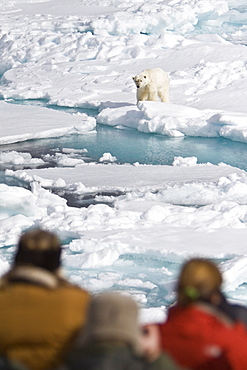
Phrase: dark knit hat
[113,316]
[39,248]
[199,279]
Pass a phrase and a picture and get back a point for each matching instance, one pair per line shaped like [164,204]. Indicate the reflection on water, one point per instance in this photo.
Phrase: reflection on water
[130,146]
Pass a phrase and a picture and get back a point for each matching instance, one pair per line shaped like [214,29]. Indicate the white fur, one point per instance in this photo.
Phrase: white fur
[152,84]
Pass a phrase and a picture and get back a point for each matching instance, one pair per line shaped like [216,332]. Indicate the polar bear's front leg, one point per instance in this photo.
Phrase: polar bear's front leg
[153,95]
[142,94]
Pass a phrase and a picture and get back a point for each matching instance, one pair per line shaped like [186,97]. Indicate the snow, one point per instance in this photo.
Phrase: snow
[37,122]
[147,218]
[176,121]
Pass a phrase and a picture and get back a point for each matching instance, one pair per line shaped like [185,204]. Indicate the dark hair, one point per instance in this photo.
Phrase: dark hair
[39,248]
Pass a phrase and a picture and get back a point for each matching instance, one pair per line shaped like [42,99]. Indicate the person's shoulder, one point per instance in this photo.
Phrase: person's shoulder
[164,361]
[105,355]
[66,284]
[240,313]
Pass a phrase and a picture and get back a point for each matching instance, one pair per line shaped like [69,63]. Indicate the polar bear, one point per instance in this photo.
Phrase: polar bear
[152,84]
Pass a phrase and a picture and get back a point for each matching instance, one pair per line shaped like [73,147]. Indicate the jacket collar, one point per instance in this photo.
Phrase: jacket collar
[32,275]
[214,311]
[202,309]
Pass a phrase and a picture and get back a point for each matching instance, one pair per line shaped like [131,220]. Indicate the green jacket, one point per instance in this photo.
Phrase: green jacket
[112,356]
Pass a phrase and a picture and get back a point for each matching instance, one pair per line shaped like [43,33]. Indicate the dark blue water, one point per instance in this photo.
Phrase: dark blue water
[130,146]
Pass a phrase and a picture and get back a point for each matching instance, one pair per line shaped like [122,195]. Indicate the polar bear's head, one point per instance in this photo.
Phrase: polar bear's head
[140,80]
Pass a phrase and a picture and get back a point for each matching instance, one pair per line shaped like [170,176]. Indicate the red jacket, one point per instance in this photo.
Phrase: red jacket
[196,334]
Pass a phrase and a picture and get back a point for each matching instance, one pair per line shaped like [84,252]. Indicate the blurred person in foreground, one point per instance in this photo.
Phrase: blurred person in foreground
[40,311]
[112,339]
[7,364]
[199,333]
[237,312]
